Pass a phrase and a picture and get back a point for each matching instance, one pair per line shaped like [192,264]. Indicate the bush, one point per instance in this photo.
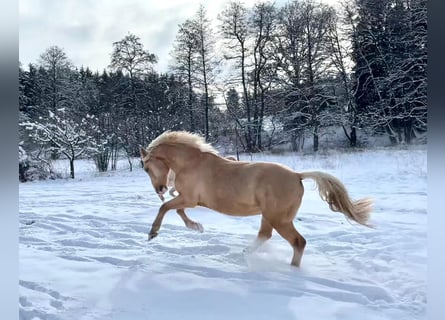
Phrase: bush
[32,168]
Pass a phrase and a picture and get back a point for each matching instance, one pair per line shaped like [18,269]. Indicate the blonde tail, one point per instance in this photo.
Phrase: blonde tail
[335,194]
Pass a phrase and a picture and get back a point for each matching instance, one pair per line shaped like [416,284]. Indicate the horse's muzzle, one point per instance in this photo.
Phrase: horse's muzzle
[161,190]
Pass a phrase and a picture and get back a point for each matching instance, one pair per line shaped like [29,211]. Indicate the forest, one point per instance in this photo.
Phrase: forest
[254,79]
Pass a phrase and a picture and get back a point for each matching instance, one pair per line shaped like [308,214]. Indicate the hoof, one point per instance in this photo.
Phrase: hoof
[199,227]
[152,235]
[196,226]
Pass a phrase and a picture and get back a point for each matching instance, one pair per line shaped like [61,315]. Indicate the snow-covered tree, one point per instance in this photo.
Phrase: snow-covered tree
[390,54]
[304,64]
[34,166]
[59,133]
[261,29]
[235,32]
[341,56]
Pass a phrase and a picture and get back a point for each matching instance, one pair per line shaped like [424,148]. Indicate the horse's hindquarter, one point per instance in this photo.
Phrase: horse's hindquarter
[280,191]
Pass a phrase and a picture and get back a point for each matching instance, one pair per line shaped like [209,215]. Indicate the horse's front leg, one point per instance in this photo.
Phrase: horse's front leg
[189,223]
[176,203]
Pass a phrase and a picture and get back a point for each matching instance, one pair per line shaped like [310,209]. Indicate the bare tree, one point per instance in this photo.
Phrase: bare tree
[340,53]
[56,63]
[205,44]
[261,28]
[185,63]
[234,28]
[130,58]
[303,61]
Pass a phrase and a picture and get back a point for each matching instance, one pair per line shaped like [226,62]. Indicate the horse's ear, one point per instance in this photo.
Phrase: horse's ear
[143,152]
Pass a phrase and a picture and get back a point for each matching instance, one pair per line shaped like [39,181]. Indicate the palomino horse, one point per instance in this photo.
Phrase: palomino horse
[203,178]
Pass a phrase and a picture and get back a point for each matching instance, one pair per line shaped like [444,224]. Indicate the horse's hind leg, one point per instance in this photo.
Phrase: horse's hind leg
[189,223]
[287,231]
[264,234]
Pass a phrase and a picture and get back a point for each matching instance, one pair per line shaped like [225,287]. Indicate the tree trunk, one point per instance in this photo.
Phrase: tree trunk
[316,140]
[72,168]
[392,135]
[206,91]
[248,129]
[22,170]
[190,93]
[353,142]
[129,162]
[408,126]
[352,136]
[114,157]
[206,113]
[260,122]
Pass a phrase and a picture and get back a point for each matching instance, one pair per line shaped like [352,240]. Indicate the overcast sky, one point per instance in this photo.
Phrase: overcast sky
[86,29]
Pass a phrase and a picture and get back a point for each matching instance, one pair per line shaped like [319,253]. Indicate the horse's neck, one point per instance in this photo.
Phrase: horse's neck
[178,157]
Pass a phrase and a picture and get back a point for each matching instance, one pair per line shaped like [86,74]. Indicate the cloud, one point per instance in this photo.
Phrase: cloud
[86,29]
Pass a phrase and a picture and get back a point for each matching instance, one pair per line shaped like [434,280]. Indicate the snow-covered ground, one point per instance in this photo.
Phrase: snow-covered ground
[84,252]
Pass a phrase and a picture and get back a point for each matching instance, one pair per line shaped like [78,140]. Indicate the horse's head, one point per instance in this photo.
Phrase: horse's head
[157,170]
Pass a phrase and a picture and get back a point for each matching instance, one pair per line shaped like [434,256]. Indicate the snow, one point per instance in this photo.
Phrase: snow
[84,252]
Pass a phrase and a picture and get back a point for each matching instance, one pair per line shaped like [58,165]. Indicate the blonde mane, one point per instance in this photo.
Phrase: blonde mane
[182,137]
